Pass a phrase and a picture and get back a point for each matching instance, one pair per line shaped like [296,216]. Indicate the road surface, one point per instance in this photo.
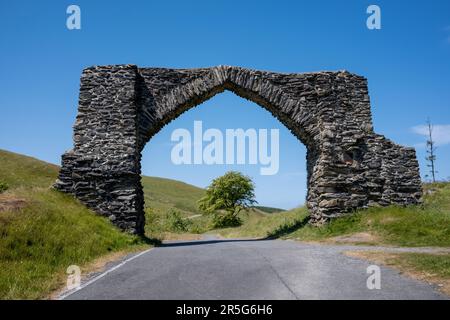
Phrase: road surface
[248,269]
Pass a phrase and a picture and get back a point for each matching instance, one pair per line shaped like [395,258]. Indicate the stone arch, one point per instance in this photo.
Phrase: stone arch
[121,107]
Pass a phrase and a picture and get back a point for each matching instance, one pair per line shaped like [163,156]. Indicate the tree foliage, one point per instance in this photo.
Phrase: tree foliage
[227,196]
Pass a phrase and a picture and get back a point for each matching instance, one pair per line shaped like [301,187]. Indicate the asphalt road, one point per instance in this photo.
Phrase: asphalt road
[249,269]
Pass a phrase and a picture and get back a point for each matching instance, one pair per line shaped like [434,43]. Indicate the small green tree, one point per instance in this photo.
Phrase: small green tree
[226,197]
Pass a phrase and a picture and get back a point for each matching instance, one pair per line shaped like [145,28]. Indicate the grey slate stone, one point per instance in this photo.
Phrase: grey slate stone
[121,107]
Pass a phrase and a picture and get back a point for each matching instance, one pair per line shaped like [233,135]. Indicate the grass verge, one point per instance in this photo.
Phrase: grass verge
[256,224]
[47,232]
[415,226]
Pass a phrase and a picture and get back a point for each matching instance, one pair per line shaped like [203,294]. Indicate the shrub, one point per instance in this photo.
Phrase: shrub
[175,222]
[226,220]
[3,186]
[226,196]
[197,229]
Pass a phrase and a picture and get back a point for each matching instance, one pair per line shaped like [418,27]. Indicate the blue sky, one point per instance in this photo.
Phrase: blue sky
[407,64]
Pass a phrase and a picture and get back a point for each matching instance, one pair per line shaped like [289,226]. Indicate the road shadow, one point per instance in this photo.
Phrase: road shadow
[150,241]
[281,231]
[286,229]
[203,242]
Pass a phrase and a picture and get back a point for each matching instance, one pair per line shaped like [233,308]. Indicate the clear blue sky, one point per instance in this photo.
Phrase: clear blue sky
[407,63]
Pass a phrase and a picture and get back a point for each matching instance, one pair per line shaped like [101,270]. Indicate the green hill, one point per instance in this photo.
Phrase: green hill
[29,181]
[171,209]
[43,231]
[163,194]
[268,209]
[22,171]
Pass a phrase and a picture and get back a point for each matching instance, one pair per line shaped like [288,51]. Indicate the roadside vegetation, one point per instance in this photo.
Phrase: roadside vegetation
[415,226]
[3,186]
[171,210]
[43,231]
[258,224]
[226,197]
[426,225]
[176,210]
[434,265]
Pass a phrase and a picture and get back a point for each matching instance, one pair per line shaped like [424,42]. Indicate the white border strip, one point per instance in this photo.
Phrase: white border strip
[65,295]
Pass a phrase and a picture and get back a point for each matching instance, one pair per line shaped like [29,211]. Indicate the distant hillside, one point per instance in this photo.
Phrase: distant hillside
[268,209]
[19,170]
[162,194]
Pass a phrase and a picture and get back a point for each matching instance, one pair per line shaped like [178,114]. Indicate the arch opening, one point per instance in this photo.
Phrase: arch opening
[283,187]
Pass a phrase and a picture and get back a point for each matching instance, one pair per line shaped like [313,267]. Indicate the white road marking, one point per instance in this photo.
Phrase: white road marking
[65,295]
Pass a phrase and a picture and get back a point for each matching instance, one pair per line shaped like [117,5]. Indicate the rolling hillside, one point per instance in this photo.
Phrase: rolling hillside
[19,172]
[43,231]
[163,194]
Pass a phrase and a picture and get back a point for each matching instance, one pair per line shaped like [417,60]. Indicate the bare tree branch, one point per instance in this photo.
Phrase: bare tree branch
[431,151]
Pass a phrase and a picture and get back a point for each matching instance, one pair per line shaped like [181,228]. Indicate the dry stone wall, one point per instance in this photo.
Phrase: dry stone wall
[121,107]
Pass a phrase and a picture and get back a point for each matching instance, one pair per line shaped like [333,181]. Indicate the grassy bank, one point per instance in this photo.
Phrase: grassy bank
[43,231]
[256,224]
[423,225]
[162,194]
[415,226]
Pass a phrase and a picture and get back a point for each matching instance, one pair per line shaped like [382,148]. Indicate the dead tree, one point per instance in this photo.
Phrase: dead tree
[431,151]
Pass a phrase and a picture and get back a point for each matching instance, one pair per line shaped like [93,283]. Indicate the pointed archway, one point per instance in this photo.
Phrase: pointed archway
[122,107]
